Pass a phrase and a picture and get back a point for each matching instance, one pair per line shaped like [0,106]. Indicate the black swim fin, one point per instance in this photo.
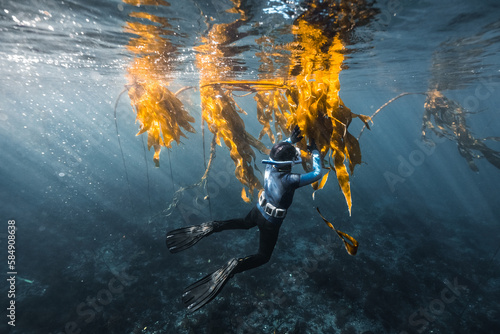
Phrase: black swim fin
[200,293]
[183,238]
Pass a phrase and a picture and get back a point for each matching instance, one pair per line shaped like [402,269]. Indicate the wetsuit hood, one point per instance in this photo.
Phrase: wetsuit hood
[283,154]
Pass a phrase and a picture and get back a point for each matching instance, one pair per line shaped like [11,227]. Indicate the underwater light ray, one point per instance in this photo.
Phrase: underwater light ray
[147,176]
[120,143]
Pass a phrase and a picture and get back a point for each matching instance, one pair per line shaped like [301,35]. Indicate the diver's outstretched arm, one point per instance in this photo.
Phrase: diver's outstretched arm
[315,174]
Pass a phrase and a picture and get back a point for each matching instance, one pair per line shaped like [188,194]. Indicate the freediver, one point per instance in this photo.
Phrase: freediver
[268,214]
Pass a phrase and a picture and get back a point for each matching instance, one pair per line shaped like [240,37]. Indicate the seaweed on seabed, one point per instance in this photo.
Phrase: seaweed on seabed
[447,118]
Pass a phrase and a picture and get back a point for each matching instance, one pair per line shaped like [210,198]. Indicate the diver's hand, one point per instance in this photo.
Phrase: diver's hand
[296,136]
[312,145]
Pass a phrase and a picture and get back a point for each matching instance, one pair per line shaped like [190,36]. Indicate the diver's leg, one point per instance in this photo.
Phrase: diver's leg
[200,293]
[239,223]
[268,236]
[186,237]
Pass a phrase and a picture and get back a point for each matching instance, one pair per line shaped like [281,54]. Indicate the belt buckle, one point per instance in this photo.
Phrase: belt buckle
[279,213]
[262,199]
[269,209]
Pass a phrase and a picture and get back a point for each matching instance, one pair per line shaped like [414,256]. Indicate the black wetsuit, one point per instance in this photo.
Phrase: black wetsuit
[279,187]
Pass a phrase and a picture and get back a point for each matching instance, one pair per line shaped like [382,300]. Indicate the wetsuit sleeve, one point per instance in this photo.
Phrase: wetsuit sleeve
[315,174]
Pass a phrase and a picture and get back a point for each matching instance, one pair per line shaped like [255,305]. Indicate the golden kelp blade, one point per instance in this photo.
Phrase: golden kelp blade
[315,104]
[343,177]
[159,112]
[320,184]
[219,109]
[351,244]
[222,117]
[244,195]
[147,2]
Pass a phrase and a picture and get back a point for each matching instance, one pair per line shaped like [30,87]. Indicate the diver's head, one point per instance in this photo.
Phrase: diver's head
[283,151]
[283,155]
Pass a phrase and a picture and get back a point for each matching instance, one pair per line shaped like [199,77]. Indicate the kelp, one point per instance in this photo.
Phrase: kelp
[221,114]
[272,106]
[219,109]
[298,84]
[455,64]
[159,112]
[447,118]
[338,17]
[147,2]
[308,97]
[385,105]
[316,107]
[304,93]
[350,244]
[177,195]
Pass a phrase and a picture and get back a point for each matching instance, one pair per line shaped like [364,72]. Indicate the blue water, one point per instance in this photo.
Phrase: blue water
[90,225]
